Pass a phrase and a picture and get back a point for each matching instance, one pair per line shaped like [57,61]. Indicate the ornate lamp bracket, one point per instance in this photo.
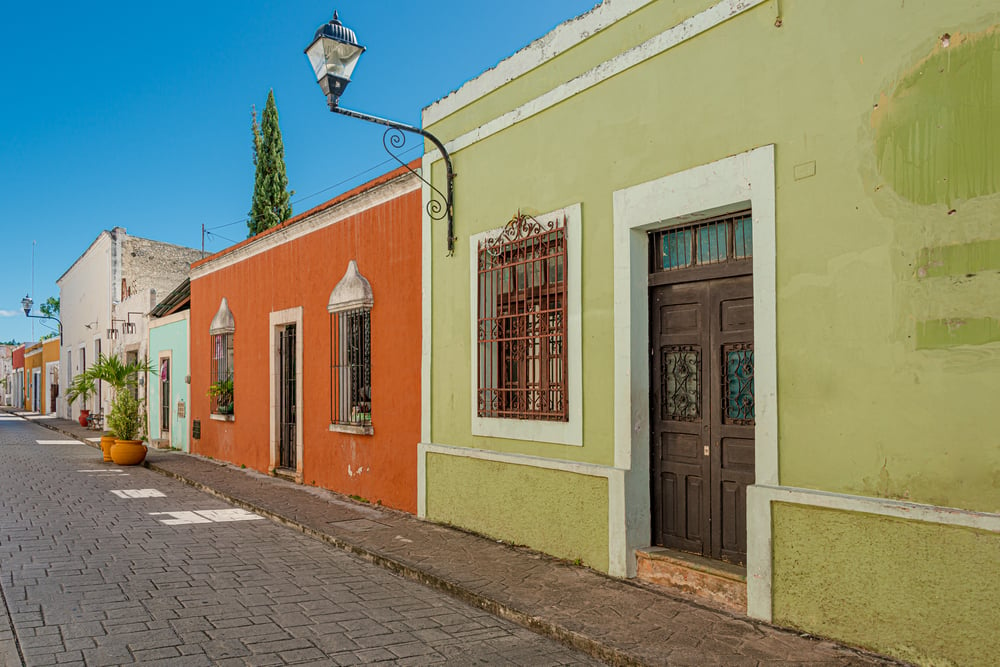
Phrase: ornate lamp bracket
[441,205]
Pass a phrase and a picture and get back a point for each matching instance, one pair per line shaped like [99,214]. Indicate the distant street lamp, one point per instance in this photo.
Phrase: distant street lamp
[333,53]
[26,303]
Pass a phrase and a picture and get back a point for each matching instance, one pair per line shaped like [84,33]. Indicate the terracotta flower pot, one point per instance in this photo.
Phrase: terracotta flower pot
[128,452]
[84,413]
[106,442]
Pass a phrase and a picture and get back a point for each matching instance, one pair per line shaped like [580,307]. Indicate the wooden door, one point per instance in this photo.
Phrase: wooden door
[286,398]
[165,397]
[701,404]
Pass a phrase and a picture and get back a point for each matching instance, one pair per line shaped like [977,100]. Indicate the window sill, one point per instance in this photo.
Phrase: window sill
[222,418]
[357,430]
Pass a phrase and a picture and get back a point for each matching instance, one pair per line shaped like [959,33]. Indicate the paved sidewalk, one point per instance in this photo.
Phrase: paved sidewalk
[617,621]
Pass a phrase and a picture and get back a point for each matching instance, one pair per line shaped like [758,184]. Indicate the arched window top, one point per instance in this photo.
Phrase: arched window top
[223,322]
[352,292]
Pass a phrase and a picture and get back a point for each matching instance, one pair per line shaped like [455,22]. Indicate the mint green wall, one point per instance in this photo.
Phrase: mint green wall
[875,398]
[853,576]
[171,337]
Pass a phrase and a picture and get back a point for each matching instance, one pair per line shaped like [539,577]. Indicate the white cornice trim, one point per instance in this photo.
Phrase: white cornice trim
[359,203]
[692,27]
[166,320]
[559,40]
[579,468]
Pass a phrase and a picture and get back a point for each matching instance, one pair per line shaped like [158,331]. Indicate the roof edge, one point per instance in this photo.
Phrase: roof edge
[557,41]
[339,199]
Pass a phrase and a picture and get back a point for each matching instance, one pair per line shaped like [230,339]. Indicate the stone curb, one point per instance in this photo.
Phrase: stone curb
[538,624]
[580,642]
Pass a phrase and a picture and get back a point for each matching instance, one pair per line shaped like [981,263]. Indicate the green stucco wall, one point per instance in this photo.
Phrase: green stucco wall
[923,592]
[561,513]
[172,338]
[873,398]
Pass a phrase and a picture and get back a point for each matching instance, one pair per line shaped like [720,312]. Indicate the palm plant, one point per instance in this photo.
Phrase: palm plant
[126,417]
[81,387]
[117,373]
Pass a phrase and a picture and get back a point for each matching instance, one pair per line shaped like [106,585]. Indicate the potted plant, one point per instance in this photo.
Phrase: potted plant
[120,376]
[117,373]
[81,387]
[126,421]
[223,393]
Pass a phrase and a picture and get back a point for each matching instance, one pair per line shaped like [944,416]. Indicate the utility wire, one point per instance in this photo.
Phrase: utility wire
[326,189]
[208,233]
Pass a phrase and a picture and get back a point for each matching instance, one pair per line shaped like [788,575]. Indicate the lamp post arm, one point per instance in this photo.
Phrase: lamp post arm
[47,317]
[434,209]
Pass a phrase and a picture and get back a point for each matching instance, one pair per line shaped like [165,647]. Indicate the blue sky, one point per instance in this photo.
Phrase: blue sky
[137,114]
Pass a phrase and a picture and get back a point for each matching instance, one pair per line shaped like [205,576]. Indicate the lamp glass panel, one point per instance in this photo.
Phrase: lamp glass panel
[328,56]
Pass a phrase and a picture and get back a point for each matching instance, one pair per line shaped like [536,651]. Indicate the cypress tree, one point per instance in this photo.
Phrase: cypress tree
[271,203]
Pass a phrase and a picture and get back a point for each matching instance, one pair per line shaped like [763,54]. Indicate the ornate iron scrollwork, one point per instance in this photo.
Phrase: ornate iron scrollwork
[518,228]
[738,374]
[394,139]
[435,209]
[680,382]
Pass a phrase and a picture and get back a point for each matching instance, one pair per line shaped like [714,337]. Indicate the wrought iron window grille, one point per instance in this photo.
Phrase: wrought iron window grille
[221,390]
[350,306]
[221,387]
[350,372]
[522,368]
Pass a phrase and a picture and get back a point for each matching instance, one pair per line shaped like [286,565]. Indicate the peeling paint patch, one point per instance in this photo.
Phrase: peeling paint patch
[360,470]
[943,334]
[959,260]
[937,132]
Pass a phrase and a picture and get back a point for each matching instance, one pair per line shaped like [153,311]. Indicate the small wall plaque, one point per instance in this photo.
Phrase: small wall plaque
[181,408]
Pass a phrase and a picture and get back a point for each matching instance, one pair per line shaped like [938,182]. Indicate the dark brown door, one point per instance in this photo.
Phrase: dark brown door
[702,413]
[286,402]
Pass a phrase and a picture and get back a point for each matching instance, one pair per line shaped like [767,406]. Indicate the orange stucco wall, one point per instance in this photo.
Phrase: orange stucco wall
[38,355]
[385,241]
[32,361]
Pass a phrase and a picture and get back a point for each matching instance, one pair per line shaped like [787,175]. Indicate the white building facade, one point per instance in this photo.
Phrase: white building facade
[105,297]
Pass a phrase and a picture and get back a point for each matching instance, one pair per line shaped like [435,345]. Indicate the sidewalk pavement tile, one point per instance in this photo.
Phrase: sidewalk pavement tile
[615,620]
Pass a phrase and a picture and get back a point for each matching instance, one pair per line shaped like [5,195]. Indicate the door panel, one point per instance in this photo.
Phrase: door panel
[286,398]
[702,414]
[679,405]
[733,419]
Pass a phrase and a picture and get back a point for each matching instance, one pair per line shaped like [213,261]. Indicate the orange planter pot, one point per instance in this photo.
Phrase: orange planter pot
[128,452]
[106,442]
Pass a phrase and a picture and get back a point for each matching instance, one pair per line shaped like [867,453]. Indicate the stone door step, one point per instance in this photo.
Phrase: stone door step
[714,581]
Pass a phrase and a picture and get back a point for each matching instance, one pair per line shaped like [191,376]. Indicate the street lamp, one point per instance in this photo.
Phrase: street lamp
[27,302]
[333,53]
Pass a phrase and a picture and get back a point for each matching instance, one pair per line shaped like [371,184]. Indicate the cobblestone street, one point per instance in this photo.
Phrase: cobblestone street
[103,565]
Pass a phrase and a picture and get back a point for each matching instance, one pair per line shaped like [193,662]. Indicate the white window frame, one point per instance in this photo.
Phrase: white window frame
[569,432]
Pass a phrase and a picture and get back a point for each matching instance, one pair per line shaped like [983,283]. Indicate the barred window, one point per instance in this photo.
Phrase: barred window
[221,390]
[350,309]
[352,370]
[522,321]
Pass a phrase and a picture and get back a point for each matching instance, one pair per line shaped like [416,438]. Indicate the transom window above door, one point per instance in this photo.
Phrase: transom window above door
[722,240]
